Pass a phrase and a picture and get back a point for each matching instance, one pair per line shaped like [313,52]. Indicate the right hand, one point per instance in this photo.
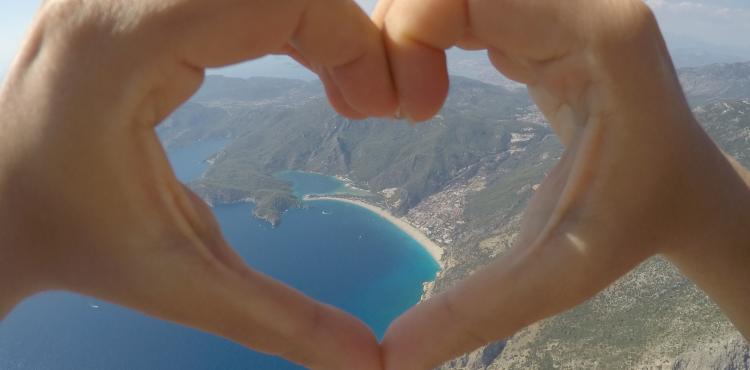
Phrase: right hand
[638,177]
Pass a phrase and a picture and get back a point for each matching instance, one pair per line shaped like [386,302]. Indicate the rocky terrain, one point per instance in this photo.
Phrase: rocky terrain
[653,318]
[716,82]
[464,179]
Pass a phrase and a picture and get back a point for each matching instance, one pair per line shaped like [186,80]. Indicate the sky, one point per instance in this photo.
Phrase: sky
[15,17]
[723,23]
[719,26]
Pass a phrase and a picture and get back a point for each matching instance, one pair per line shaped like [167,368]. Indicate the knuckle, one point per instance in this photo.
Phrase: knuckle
[70,18]
[626,19]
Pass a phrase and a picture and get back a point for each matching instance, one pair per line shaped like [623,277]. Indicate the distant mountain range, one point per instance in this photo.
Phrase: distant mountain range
[464,178]
[716,82]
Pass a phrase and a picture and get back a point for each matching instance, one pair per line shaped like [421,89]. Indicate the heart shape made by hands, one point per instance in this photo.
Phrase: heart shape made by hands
[103,74]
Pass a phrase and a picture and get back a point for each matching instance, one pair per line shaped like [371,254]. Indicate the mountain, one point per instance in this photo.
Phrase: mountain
[697,57]
[300,131]
[716,82]
[476,65]
[688,51]
[464,179]
[705,76]
[653,318]
[226,107]
[728,122]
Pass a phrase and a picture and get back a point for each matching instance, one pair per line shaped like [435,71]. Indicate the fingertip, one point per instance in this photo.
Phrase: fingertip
[366,85]
[417,33]
[349,49]
[337,100]
[366,82]
[420,74]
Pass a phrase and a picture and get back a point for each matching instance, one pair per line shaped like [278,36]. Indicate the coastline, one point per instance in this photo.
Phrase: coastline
[430,246]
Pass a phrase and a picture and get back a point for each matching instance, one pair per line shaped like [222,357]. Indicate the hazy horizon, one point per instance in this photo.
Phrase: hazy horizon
[699,32]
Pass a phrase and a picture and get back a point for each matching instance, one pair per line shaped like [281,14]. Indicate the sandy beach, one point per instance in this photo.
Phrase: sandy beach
[431,247]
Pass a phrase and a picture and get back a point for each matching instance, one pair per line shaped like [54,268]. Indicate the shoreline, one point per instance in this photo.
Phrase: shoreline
[435,251]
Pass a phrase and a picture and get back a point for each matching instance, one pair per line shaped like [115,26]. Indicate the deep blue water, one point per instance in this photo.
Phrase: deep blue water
[335,252]
[190,162]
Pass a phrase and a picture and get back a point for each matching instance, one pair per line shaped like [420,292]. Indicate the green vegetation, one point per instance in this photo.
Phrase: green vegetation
[484,132]
[305,134]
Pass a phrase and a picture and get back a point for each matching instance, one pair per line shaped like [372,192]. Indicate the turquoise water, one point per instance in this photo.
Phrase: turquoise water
[336,252]
[306,183]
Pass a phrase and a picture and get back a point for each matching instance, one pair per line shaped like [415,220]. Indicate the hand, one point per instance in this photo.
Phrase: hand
[638,177]
[89,202]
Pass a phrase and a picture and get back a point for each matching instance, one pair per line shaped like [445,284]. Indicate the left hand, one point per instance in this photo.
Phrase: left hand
[89,201]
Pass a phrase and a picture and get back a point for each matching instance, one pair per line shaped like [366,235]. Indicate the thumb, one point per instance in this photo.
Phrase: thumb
[558,262]
[525,286]
[202,283]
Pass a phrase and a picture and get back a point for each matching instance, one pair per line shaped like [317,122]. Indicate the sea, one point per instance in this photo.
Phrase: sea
[335,252]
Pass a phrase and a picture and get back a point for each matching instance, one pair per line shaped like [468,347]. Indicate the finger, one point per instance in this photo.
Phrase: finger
[381,9]
[417,34]
[336,98]
[291,52]
[312,340]
[470,42]
[348,47]
[267,316]
[538,30]
[553,267]
[515,69]
[335,35]
[234,302]
[510,294]
[191,276]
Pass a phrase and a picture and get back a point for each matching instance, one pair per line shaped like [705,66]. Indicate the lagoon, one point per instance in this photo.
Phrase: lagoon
[339,253]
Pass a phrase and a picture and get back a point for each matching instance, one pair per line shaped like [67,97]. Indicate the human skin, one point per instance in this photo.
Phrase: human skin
[639,176]
[89,201]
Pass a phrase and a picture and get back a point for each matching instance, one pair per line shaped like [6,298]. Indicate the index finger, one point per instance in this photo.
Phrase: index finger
[417,33]
[335,36]
[163,47]
[201,282]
